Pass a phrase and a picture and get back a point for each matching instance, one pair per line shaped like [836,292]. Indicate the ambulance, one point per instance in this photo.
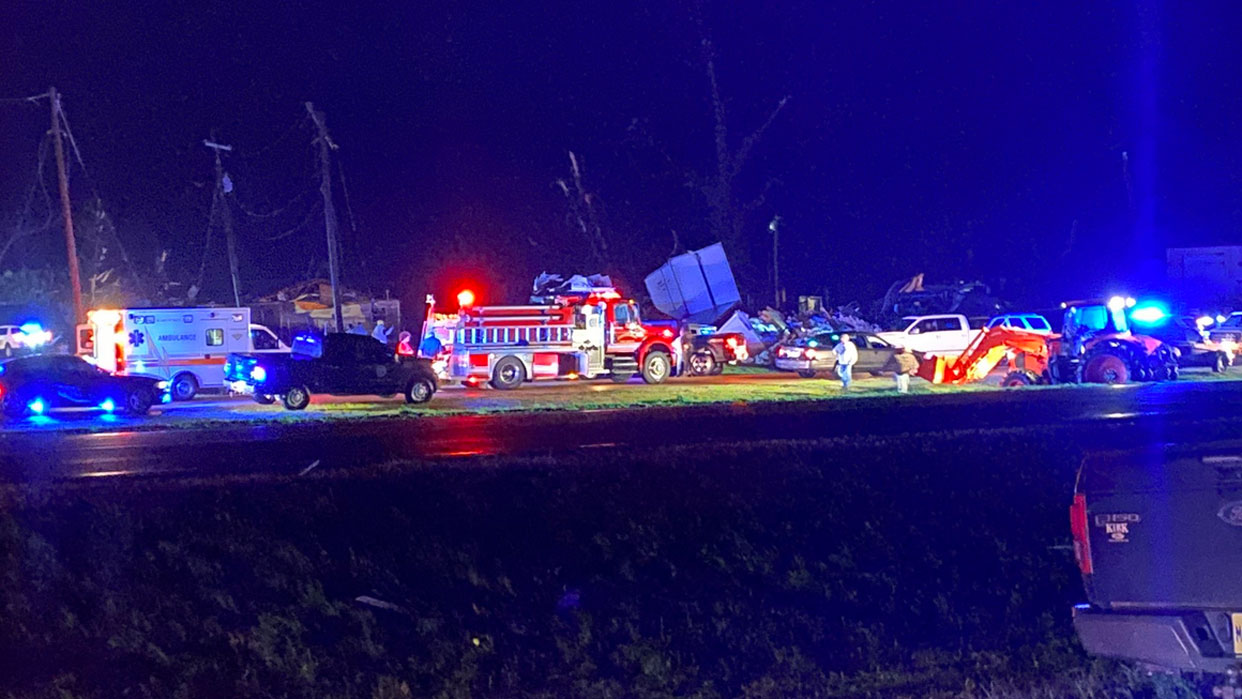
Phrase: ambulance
[185,346]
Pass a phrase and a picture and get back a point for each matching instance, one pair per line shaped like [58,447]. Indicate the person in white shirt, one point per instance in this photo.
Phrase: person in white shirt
[847,357]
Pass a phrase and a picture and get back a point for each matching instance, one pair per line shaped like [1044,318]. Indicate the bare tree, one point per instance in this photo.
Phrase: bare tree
[584,214]
[727,216]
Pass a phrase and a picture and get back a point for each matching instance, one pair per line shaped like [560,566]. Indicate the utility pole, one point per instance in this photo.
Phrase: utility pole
[775,226]
[66,210]
[223,187]
[329,211]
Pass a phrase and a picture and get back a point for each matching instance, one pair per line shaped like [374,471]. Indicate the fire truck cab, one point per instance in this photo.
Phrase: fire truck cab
[585,335]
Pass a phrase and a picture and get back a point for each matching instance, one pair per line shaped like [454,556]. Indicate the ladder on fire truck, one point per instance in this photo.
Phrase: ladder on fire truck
[515,335]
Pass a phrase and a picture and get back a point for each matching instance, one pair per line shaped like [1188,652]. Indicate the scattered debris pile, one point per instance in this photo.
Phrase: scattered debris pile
[548,286]
[912,297]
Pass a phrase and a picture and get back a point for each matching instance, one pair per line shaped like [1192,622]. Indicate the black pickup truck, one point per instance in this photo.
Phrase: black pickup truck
[1158,538]
[340,364]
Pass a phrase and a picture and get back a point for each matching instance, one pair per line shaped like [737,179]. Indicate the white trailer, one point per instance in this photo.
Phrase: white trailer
[185,346]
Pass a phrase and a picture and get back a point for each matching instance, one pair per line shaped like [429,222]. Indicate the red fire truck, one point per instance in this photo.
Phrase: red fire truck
[587,334]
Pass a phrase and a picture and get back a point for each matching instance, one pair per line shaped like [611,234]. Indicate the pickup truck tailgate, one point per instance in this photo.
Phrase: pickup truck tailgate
[1164,531]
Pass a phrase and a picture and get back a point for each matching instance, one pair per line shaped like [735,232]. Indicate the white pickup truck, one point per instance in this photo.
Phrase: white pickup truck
[940,334]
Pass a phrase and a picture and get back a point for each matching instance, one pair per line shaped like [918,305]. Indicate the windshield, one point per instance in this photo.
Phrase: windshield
[899,325]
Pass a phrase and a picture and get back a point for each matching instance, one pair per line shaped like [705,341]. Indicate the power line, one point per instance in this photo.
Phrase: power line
[301,122]
[32,99]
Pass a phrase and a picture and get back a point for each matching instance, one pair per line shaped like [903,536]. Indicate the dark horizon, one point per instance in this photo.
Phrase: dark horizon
[962,143]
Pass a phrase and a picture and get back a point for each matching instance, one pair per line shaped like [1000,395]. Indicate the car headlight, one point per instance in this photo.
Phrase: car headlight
[162,385]
[258,374]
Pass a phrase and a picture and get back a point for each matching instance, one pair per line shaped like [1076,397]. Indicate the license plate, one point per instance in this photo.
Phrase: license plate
[1235,622]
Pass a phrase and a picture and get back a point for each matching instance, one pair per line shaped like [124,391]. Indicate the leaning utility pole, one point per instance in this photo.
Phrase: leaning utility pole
[775,226]
[66,210]
[329,212]
[223,187]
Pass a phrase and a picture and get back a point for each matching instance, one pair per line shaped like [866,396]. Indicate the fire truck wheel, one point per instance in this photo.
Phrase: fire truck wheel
[1106,367]
[656,367]
[620,377]
[420,390]
[297,398]
[264,399]
[702,363]
[508,374]
[184,386]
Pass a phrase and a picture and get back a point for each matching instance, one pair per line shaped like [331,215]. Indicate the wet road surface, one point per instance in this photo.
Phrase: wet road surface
[1157,412]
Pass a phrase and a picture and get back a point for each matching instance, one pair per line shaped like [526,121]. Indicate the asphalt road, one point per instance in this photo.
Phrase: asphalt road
[1156,412]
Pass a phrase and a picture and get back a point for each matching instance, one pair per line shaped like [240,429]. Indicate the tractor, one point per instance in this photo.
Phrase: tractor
[1096,345]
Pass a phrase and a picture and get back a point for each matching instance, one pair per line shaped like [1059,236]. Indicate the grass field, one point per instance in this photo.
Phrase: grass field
[882,568]
[566,397]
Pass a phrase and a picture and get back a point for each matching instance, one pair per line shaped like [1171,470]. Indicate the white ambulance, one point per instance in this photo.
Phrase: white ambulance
[185,346]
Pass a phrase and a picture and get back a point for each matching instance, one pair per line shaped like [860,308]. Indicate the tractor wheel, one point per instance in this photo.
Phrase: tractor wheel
[1220,363]
[702,363]
[656,366]
[509,373]
[1107,368]
[1020,377]
[297,398]
[184,386]
[806,373]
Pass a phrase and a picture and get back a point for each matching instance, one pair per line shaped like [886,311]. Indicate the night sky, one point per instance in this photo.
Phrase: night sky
[957,139]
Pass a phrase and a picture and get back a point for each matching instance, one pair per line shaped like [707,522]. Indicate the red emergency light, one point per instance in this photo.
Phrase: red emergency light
[465,298]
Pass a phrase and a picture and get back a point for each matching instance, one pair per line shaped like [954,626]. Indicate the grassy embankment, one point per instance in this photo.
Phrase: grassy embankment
[882,568]
[583,396]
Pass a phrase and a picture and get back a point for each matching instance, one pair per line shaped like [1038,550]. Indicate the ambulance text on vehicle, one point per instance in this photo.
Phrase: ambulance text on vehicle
[185,346]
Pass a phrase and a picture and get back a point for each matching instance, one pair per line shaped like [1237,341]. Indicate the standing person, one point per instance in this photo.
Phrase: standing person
[404,348]
[903,364]
[381,332]
[847,357]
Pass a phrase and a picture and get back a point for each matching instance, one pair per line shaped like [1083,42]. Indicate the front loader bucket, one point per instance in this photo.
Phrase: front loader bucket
[932,368]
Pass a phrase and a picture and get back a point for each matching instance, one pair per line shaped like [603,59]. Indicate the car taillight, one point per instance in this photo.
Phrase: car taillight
[1082,539]
[809,354]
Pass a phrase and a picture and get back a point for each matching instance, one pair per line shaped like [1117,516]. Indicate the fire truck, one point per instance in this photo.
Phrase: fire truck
[585,334]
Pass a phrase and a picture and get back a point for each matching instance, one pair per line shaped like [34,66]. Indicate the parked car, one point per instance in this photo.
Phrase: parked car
[1228,332]
[1194,346]
[38,384]
[812,355]
[340,364]
[23,339]
[1156,537]
[934,334]
[1021,321]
